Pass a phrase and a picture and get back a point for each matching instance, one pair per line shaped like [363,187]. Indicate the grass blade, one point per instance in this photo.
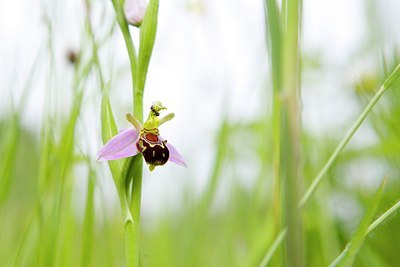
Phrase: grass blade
[346,258]
[384,217]
[108,130]
[267,258]
[387,83]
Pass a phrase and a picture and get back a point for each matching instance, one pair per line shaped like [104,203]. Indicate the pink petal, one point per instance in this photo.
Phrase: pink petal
[122,145]
[175,157]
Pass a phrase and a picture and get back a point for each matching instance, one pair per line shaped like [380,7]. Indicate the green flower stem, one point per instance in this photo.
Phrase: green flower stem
[148,31]
[109,129]
[131,181]
[393,77]
[131,244]
[119,9]
[133,168]
[131,232]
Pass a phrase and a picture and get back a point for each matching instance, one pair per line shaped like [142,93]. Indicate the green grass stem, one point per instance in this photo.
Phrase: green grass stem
[382,218]
[290,134]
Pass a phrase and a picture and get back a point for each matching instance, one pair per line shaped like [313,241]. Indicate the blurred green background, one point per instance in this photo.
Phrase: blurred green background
[210,65]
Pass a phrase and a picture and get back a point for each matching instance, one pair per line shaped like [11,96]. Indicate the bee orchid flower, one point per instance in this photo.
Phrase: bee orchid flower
[144,139]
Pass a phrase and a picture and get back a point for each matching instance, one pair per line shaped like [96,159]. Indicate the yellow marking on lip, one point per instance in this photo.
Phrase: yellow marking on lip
[154,131]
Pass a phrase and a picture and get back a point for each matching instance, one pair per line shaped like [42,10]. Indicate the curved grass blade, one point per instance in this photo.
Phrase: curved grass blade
[267,258]
[387,83]
[346,258]
[384,217]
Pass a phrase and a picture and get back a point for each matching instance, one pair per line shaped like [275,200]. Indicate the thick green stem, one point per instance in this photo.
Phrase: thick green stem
[131,240]
[135,174]
[131,246]
[147,39]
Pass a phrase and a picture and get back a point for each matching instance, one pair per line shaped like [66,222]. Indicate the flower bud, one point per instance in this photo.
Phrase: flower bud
[135,11]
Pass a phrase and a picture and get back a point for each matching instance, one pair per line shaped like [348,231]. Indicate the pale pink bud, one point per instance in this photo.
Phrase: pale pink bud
[135,11]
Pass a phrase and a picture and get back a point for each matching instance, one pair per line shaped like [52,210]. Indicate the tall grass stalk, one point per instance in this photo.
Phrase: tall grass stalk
[346,258]
[283,40]
[290,133]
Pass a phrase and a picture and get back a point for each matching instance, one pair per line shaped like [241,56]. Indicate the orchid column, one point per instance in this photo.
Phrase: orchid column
[127,173]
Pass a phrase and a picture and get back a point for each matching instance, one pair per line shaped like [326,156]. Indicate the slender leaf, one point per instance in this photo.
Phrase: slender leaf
[108,130]
[387,83]
[346,258]
[384,217]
